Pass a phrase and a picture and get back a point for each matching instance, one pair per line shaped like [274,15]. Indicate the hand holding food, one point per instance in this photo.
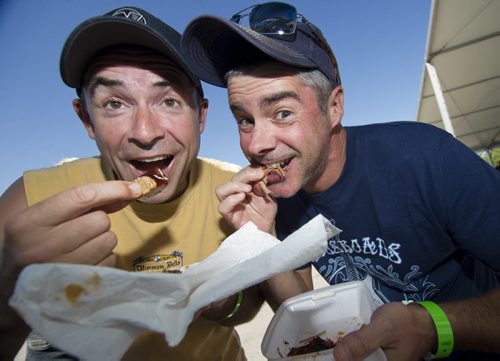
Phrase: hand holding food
[245,198]
[70,227]
[408,323]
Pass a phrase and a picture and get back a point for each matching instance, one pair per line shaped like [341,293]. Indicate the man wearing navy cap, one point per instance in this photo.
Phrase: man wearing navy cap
[418,210]
[145,109]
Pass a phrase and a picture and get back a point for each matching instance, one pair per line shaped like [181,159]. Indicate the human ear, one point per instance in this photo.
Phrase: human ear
[336,106]
[84,116]
[202,114]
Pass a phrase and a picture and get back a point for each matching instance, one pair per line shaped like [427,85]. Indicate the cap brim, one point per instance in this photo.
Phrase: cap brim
[96,34]
[212,46]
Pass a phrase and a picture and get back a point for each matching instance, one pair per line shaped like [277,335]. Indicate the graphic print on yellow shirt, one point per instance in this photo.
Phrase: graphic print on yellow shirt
[160,263]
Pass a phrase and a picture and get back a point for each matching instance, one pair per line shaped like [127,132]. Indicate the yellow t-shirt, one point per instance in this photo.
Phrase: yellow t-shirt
[158,237]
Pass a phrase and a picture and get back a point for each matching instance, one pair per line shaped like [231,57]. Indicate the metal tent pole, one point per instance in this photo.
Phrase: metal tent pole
[436,86]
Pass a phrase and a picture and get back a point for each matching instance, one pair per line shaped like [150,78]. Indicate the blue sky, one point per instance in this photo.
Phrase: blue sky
[380,47]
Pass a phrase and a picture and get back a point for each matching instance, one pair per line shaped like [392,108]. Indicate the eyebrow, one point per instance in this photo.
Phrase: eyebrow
[277,97]
[269,100]
[163,83]
[106,82]
[102,81]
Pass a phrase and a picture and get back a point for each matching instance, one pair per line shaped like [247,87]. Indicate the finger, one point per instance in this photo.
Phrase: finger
[230,203]
[92,252]
[55,243]
[113,207]
[225,190]
[80,199]
[81,230]
[356,345]
[68,236]
[249,175]
[261,190]
[109,261]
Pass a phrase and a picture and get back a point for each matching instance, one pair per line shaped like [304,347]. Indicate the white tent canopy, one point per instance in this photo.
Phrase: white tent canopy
[461,80]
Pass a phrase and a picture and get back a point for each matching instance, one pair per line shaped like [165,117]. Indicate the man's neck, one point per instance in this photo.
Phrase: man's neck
[334,163]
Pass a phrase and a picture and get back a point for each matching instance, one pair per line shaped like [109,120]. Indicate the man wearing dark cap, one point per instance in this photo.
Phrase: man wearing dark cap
[145,110]
[418,210]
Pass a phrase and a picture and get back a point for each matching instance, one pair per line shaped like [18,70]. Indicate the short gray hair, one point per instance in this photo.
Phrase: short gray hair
[311,78]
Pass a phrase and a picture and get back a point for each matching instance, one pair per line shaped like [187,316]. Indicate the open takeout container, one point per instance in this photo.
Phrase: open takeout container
[329,312]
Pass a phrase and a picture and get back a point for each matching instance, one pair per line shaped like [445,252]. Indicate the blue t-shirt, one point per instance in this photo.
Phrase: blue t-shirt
[419,214]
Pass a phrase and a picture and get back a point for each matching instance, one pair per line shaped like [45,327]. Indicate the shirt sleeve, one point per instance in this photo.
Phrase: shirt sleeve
[470,200]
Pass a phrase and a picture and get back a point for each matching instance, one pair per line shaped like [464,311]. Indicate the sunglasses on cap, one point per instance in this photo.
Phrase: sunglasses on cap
[279,20]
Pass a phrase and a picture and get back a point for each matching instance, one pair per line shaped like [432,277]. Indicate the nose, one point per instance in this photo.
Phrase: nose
[147,128]
[262,139]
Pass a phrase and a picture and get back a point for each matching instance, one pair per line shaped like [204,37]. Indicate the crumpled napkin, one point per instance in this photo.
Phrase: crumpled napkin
[108,308]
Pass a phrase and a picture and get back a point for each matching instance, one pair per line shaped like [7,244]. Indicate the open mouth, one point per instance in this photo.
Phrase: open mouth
[152,178]
[149,165]
[274,173]
[278,165]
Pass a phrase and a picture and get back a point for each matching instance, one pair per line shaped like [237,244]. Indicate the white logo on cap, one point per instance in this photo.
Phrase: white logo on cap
[130,14]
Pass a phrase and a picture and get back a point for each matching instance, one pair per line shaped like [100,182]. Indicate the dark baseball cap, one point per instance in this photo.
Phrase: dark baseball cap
[125,25]
[212,46]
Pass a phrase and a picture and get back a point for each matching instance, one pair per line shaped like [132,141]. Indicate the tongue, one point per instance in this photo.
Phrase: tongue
[273,177]
[147,167]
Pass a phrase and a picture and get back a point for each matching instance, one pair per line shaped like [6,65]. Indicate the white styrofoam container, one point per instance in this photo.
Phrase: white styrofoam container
[333,311]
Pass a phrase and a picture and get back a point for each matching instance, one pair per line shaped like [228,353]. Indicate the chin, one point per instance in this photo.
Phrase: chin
[162,197]
[285,192]
[152,200]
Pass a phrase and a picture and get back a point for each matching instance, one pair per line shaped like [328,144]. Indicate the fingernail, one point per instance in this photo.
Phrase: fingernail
[135,188]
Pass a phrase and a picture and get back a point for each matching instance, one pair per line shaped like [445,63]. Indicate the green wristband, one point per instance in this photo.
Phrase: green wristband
[237,306]
[443,328]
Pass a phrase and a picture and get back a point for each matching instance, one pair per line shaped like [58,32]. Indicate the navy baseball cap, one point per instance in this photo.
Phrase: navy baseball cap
[125,25]
[212,46]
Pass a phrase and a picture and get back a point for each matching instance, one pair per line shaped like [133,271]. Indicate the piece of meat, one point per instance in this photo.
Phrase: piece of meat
[276,168]
[152,181]
[313,344]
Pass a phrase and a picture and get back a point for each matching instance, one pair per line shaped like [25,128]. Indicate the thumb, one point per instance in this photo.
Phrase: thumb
[355,346]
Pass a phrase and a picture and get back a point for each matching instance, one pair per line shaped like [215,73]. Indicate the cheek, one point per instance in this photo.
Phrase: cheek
[109,137]
[297,137]
[245,140]
[307,141]
[186,136]
[186,131]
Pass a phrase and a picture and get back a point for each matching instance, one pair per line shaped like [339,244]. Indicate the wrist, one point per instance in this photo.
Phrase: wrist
[237,304]
[223,310]
[442,342]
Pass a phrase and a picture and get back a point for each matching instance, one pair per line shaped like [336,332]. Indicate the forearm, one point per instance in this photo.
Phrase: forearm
[13,330]
[250,305]
[475,322]
[281,287]
[408,332]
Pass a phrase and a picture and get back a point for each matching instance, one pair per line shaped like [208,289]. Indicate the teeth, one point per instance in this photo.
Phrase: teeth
[281,164]
[151,160]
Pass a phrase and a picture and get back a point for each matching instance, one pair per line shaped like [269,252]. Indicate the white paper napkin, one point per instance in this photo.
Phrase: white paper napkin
[108,308]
